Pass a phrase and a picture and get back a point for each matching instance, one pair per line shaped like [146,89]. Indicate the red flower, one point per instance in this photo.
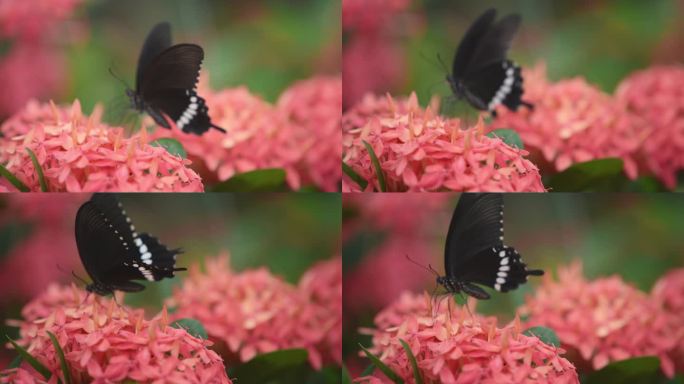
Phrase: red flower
[573,121]
[419,151]
[450,346]
[668,292]
[602,321]
[255,312]
[370,15]
[79,154]
[657,96]
[104,343]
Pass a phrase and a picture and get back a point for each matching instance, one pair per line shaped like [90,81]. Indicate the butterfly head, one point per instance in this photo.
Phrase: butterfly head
[451,285]
[98,288]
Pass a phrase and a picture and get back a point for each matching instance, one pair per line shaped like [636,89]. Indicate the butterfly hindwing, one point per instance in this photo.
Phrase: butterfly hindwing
[498,83]
[158,40]
[185,108]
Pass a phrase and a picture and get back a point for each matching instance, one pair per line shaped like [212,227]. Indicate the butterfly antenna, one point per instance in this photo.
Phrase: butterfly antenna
[444,67]
[430,269]
[111,72]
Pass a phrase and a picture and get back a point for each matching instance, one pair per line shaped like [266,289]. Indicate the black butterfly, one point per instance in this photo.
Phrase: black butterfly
[166,82]
[113,253]
[481,72]
[475,253]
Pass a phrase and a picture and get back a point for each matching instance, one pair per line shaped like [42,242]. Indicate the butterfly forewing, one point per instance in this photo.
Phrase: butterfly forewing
[493,46]
[176,67]
[469,43]
[158,40]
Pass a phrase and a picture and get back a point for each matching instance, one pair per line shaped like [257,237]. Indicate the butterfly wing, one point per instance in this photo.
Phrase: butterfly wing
[476,225]
[495,84]
[470,42]
[158,40]
[176,67]
[184,107]
[493,46]
[112,252]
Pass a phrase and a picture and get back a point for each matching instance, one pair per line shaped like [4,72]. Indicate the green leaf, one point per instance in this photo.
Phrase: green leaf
[346,377]
[39,170]
[376,166]
[596,175]
[382,367]
[414,365]
[546,335]
[4,172]
[37,365]
[354,176]
[271,366]
[643,369]
[369,370]
[192,326]
[172,146]
[16,362]
[62,361]
[508,136]
[261,180]
[11,234]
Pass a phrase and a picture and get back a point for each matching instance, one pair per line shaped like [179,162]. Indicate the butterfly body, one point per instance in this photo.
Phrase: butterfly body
[113,253]
[475,253]
[166,83]
[481,73]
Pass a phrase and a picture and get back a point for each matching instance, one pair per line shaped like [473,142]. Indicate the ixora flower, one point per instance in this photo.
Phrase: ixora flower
[604,320]
[30,19]
[668,292]
[77,153]
[104,342]
[450,346]
[299,136]
[255,312]
[657,95]
[419,151]
[573,121]
[314,106]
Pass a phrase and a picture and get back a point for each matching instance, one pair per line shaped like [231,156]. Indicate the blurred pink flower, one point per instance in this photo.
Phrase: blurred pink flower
[573,121]
[315,107]
[602,321]
[371,64]
[260,135]
[105,343]
[321,286]
[419,151]
[254,312]
[47,247]
[657,95]
[32,19]
[450,346]
[370,15]
[79,154]
[668,292]
[28,71]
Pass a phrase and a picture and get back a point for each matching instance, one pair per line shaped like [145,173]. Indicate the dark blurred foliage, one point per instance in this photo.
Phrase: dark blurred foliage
[637,236]
[264,45]
[602,41]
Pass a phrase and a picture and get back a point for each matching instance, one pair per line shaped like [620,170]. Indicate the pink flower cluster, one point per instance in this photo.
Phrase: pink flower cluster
[34,67]
[573,121]
[450,346]
[420,151]
[104,343]
[299,134]
[607,320]
[255,312]
[668,292]
[47,246]
[657,96]
[80,154]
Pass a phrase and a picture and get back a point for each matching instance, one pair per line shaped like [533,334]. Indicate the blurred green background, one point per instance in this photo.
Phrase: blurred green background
[264,45]
[636,236]
[602,40]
